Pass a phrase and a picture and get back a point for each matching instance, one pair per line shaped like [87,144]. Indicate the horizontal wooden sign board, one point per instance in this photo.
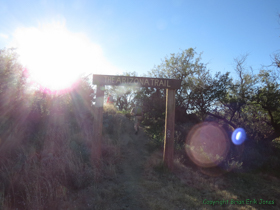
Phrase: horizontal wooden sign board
[137,81]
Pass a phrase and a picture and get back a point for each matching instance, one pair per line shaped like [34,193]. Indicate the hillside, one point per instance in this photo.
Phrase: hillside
[131,175]
[137,179]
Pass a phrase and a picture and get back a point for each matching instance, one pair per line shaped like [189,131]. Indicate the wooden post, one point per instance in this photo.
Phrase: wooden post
[98,122]
[169,129]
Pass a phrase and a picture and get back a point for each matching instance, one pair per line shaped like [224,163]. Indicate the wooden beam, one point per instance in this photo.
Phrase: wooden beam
[136,81]
[169,129]
[98,122]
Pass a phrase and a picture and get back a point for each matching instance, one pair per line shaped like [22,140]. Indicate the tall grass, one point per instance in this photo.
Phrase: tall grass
[43,164]
[38,177]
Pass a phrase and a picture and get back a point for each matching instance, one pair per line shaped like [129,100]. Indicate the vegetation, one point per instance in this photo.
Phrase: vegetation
[251,101]
[46,139]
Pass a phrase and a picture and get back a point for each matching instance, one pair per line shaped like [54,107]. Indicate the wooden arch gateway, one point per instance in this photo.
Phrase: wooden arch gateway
[169,84]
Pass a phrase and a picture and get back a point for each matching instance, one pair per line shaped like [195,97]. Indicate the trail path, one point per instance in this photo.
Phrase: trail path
[133,157]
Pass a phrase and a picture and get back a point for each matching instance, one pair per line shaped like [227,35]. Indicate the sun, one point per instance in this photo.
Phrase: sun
[56,57]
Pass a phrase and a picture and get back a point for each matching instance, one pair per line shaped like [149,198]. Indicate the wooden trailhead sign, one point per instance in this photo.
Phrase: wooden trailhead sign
[169,84]
[139,81]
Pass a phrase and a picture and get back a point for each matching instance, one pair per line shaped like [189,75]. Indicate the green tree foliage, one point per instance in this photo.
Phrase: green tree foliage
[194,96]
[268,97]
[186,67]
[250,101]
[199,92]
[12,82]
[233,96]
[12,88]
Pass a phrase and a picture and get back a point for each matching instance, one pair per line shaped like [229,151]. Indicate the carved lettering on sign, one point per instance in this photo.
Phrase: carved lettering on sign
[140,81]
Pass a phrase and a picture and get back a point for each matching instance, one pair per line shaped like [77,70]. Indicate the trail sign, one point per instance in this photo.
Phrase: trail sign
[137,81]
[169,84]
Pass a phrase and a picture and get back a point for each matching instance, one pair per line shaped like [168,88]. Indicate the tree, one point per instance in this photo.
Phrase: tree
[182,66]
[233,96]
[252,102]
[12,81]
[12,89]
[268,97]
[186,66]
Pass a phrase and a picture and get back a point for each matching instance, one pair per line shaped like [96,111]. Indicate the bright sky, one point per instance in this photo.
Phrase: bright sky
[110,37]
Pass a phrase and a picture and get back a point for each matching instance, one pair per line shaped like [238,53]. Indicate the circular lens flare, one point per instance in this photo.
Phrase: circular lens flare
[238,136]
[207,144]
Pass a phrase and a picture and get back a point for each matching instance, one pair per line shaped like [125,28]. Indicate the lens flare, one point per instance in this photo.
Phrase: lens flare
[207,144]
[238,136]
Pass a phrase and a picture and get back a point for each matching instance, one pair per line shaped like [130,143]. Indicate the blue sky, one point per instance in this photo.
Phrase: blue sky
[137,35]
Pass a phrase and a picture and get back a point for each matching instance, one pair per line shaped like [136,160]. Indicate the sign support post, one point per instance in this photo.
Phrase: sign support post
[98,119]
[169,129]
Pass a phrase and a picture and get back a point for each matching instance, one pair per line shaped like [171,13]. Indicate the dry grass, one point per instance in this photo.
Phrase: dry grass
[60,175]
[47,176]
[187,188]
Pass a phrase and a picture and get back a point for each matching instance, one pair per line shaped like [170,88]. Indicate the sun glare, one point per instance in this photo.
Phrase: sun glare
[56,57]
